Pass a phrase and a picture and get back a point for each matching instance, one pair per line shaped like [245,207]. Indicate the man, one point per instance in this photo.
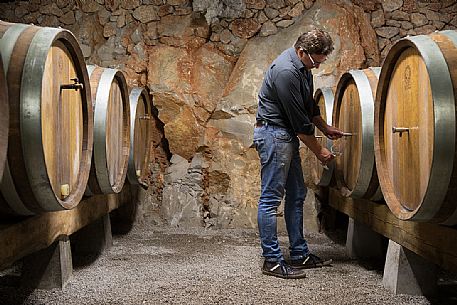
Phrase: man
[287,112]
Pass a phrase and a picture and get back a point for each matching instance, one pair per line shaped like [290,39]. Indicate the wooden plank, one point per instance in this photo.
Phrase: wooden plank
[38,232]
[431,241]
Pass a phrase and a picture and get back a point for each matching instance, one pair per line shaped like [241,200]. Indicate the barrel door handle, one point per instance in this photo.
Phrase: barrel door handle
[400,130]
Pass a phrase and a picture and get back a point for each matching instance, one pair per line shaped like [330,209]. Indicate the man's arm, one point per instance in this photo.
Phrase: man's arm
[322,153]
[330,131]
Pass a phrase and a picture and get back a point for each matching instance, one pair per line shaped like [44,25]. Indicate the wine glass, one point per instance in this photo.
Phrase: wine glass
[337,147]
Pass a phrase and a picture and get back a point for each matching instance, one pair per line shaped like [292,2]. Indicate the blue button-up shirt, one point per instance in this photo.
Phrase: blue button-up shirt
[286,96]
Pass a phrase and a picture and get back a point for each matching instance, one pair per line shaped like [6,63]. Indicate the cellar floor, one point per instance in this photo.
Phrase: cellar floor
[164,265]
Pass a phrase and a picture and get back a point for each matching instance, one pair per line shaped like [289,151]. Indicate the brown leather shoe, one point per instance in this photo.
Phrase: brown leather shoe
[282,270]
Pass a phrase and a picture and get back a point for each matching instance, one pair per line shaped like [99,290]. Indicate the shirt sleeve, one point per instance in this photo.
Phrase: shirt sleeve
[287,85]
[316,109]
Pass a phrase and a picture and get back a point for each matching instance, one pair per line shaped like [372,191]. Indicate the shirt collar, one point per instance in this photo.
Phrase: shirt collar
[295,60]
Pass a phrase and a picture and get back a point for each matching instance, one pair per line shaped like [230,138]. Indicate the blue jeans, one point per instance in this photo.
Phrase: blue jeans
[281,172]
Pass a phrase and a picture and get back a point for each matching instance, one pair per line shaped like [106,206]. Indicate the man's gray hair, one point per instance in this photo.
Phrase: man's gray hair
[315,41]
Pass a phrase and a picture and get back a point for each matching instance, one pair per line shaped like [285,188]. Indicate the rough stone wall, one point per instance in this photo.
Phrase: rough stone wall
[150,200]
[111,32]
[229,132]
[204,60]
[394,19]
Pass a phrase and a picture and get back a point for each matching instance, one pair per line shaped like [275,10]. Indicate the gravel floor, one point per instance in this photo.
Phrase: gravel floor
[162,265]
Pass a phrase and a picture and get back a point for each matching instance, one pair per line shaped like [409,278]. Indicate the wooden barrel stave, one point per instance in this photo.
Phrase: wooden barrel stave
[324,98]
[140,128]
[420,189]
[28,157]
[10,203]
[4,119]
[111,131]
[355,170]
[16,165]
[449,209]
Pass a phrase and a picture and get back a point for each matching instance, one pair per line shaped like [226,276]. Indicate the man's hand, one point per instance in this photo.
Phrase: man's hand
[332,132]
[329,131]
[322,153]
[325,156]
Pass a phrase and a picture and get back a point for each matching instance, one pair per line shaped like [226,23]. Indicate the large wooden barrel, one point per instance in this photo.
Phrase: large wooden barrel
[50,131]
[415,128]
[353,113]
[324,98]
[141,118]
[4,118]
[111,130]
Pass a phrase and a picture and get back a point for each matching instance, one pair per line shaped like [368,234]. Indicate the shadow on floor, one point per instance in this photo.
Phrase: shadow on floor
[446,292]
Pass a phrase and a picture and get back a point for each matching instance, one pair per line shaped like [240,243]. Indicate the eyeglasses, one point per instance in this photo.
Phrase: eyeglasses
[313,61]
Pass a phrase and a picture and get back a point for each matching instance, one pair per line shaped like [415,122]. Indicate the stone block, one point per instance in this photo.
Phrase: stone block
[400,15]
[145,14]
[391,5]
[308,4]
[68,18]
[405,272]
[48,268]
[418,19]
[277,4]
[130,4]
[244,28]
[387,31]
[285,23]
[364,243]
[268,28]
[311,210]
[271,12]
[297,10]
[255,4]
[261,17]
[220,8]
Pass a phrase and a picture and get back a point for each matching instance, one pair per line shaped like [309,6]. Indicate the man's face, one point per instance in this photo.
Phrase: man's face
[311,60]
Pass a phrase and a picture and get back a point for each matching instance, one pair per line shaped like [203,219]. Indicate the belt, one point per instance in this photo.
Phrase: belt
[261,123]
